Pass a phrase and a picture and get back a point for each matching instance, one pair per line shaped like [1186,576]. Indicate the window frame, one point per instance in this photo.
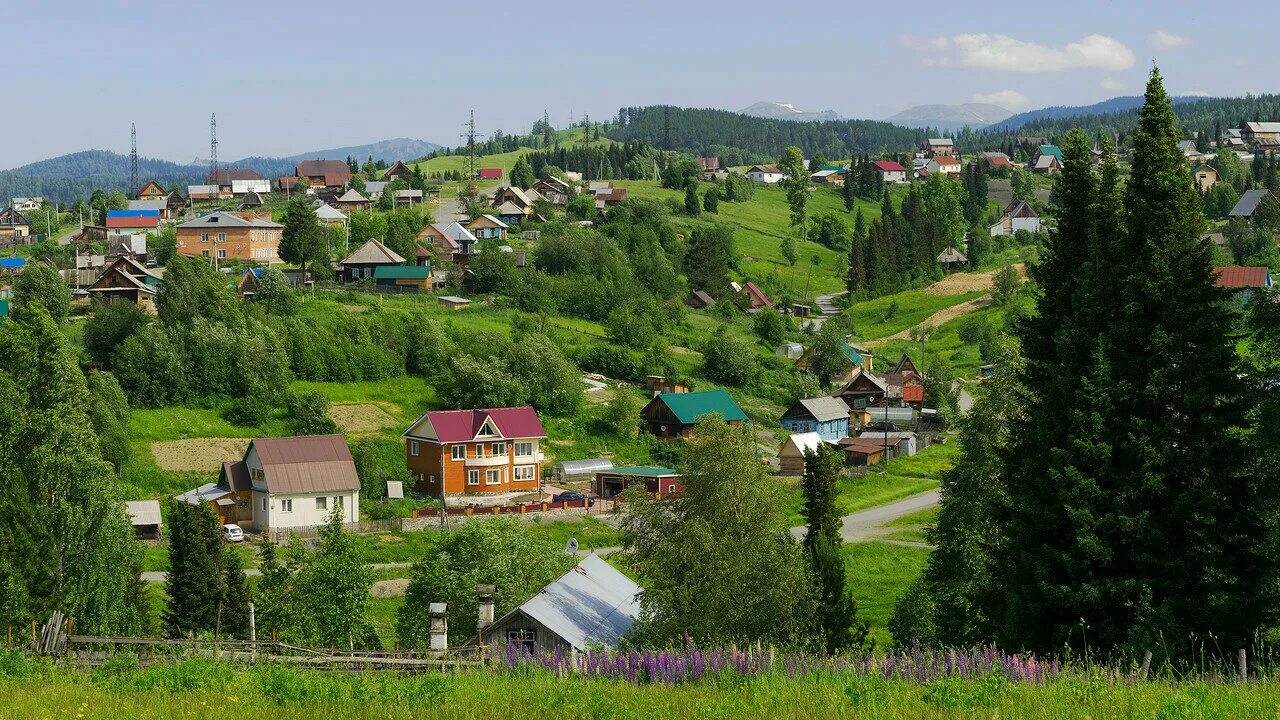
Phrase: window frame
[473,477]
[493,471]
[498,448]
[322,503]
[413,448]
[455,455]
[528,445]
[286,505]
[519,470]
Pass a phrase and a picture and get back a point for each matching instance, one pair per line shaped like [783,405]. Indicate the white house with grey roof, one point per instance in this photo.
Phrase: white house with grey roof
[592,605]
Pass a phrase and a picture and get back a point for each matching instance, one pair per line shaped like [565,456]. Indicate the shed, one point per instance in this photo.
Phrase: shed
[1248,203]
[579,469]
[660,481]
[909,438]
[453,302]
[591,605]
[144,515]
[791,454]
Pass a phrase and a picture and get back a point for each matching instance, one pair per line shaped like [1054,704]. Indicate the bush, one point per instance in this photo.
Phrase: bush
[309,414]
[252,410]
[729,361]
[109,326]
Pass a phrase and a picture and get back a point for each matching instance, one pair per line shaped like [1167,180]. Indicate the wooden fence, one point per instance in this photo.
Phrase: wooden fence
[360,526]
[517,509]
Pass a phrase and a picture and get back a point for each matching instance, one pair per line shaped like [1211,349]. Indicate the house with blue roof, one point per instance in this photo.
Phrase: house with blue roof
[10,266]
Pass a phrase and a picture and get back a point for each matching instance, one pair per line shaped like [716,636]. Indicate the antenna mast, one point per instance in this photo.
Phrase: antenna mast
[133,160]
[213,147]
[470,135]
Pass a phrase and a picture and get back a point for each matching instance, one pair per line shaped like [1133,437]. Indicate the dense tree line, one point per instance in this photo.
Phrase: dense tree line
[901,247]
[1108,494]
[714,132]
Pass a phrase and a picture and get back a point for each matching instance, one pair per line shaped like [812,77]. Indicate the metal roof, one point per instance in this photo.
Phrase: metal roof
[311,463]
[805,442]
[373,252]
[143,512]
[205,493]
[405,272]
[149,206]
[324,212]
[226,219]
[592,604]
[645,471]
[823,409]
[1248,203]
[688,407]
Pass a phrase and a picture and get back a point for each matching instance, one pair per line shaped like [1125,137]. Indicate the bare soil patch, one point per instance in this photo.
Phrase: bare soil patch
[197,454]
[394,587]
[355,308]
[361,417]
[961,283]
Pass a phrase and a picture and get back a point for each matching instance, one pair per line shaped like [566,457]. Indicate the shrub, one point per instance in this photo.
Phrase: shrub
[309,414]
[251,410]
[109,326]
[729,361]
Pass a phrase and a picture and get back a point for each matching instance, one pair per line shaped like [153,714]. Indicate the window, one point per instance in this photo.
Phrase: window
[671,489]
[459,452]
[264,504]
[337,501]
[522,473]
[204,237]
[522,639]
[222,237]
[286,505]
[413,448]
[479,450]
[498,448]
[322,503]
[473,477]
[204,253]
[524,449]
[493,477]
[222,254]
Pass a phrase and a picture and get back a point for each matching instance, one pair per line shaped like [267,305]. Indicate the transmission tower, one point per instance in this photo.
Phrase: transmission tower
[470,136]
[133,160]
[586,146]
[213,147]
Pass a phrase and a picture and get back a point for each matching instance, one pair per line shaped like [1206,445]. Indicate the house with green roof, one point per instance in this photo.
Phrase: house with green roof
[676,414]
[858,357]
[660,482]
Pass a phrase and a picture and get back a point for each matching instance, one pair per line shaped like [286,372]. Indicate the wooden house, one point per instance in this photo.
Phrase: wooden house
[1205,177]
[755,297]
[864,389]
[397,171]
[858,359]
[700,300]
[791,454]
[405,276]
[367,258]
[331,174]
[251,201]
[152,191]
[488,227]
[677,414]
[593,605]
[658,384]
[14,227]
[351,201]
[489,450]
[860,452]
[452,302]
[1017,215]
[144,516]
[952,259]
[826,416]
[126,281]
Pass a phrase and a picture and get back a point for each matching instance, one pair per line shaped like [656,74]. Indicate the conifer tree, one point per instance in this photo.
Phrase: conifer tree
[849,191]
[821,469]
[192,582]
[856,279]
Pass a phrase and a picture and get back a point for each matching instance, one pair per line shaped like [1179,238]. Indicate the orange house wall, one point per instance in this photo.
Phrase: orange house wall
[436,461]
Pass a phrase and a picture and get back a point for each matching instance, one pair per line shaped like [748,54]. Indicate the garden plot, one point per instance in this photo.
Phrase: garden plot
[362,417]
[197,454]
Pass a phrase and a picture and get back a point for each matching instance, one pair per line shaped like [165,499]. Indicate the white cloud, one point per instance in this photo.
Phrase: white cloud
[1110,84]
[1007,99]
[1166,39]
[1001,52]
[1193,93]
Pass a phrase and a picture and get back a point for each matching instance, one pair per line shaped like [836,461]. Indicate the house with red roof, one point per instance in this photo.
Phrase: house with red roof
[331,174]
[490,450]
[945,164]
[755,297]
[489,174]
[1244,280]
[890,171]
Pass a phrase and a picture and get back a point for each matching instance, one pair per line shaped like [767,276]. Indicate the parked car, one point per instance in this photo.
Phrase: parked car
[571,495]
[882,426]
[232,533]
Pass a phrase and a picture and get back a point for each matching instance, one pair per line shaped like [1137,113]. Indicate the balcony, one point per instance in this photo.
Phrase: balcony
[490,461]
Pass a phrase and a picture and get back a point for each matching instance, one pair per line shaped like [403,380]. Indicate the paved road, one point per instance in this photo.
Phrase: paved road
[867,524]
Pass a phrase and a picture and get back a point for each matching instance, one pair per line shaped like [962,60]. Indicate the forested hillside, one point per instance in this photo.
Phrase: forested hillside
[740,139]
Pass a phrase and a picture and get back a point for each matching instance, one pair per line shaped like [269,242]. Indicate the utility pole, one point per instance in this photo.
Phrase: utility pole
[133,160]
[213,149]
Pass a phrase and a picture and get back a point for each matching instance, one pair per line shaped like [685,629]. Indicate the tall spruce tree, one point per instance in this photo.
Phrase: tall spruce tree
[849,191]
[821,470]
[856,279]
[837,612]
[193,581]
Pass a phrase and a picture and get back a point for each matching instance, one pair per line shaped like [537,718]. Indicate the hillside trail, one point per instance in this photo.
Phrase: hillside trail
[957,284]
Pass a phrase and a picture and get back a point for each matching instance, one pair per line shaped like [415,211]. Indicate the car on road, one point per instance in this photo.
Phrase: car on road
[232,533]
[883,426]
[571,495]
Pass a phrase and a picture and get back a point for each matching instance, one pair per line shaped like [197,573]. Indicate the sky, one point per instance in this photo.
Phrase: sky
[289,77]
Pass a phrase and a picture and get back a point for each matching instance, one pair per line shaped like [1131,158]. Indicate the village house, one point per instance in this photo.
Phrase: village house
[26,204]
[11,267]
[660,482]
[864,389]
[656,385]
[1205,177]
[397,171]
[769,174]
[826,416]
[133,246]
[329,174]
[1248,203]
[133,221]
[330,216]
[860,452]
[934,147]
[857,357]
[352,200]
[1017,215]
[126,280]
[198,193]
[489,174]
[229,180]
[488,227]
[152,191]
[251,201]
[368,257]
[449,238]
[555,190]
[292,482]
[14,227]
[374,188]
[676,414]
[952,259]
[416,276]
[159,206]
[906,440]
[1255,132]
[827,177]
[945,165]
[408,198]
[791,453]
[997,160]
[700,300]
[1244,281]
[1048,160]
[490,450]
[247,237]
[592,605]
[890,171]
[176,204]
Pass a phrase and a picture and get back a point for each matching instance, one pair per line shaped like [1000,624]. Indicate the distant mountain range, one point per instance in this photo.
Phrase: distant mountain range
[787,111]
[64,178]
[1058,112]
[950,117]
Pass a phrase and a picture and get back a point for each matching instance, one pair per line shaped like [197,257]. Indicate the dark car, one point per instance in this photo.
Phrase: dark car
[883,426]
[571,495]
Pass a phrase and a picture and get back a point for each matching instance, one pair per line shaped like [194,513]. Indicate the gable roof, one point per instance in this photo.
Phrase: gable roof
[1263,127]
[155,205]
[951,255]
[947,160]
[451,426]
[767,169]
[396,170]
[334,172]
[224,176]
[152,184]
[310,463]
[804,442]
[821,409]
[592,604]
[477,221]
[132,221]
[1204,168]
[1238,277]
[758,293]
[352,196]
[373,252]
[688,407]
[869,376]
[1047,161]
[1248,203]
[128,271]
[1053,150]
[327,212]
[704,298]
[10,217]
[888,166]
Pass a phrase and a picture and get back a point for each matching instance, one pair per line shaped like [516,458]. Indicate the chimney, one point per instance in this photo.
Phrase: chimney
[484,597]
[439,626]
